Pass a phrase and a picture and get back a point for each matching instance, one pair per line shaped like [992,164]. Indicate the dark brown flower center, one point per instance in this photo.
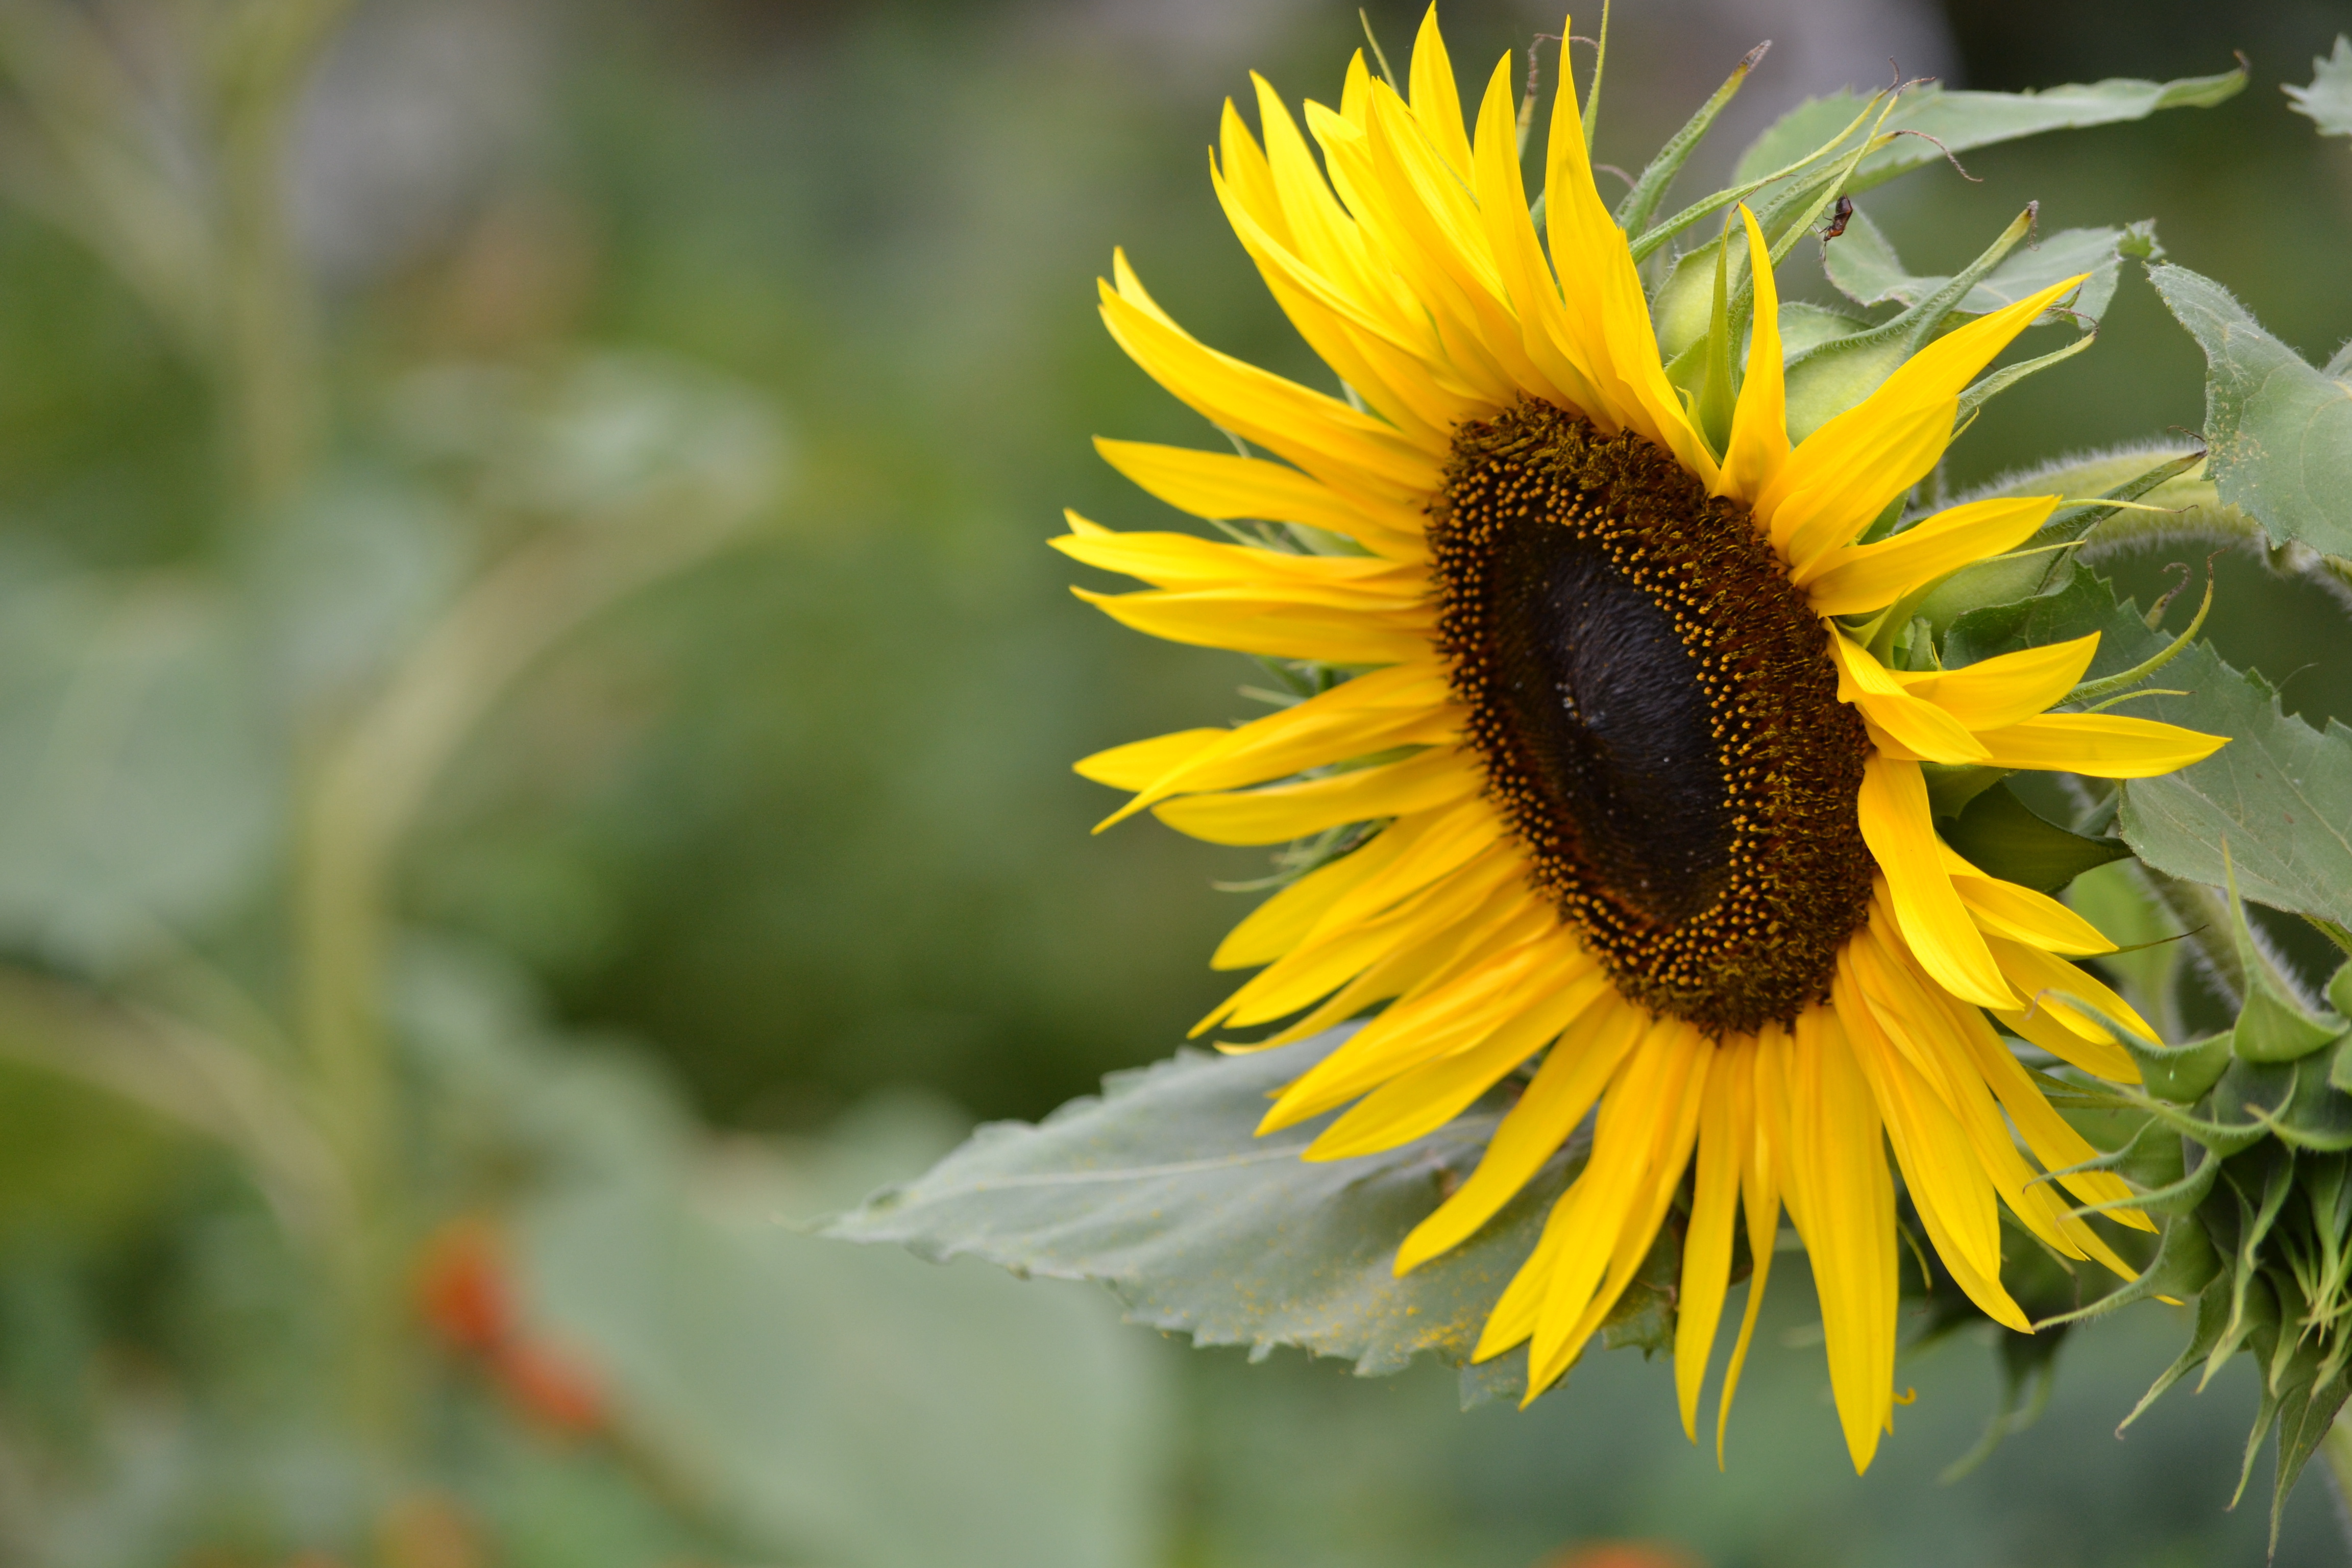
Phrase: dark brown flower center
[1658,716]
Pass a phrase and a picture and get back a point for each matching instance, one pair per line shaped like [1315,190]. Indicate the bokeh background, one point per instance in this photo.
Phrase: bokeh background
[535,718]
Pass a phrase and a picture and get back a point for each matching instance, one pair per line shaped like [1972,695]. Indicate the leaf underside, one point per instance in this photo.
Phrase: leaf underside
[1156,1189]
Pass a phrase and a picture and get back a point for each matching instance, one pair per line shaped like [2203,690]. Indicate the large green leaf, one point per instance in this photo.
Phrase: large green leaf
[1960,121]
[2279,795]
[2328,100]
[1158,1190]
[2280,431]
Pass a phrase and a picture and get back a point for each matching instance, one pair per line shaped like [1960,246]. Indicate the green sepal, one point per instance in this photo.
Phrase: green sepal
[1864,267]
[1952,785]
[2212,1314]
[2184,1073]
[2034,569]
[2185,1264]
[1716,394]
[2339,991]
[2272,1030]
[2272,1023]
[2002,837]
[2294,1099]
[1641,203]
[1827,381]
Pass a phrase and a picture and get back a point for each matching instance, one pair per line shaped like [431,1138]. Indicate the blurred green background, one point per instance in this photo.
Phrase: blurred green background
[535,718]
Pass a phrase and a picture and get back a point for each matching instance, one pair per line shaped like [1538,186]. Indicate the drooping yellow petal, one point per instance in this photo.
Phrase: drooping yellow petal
[1425,1098]
[1846,472]
[1956,1038]
[1641,1146]
[1998,692]
[1182,560]
[1222,486]
[1765,1116]
[1386,708]
[1282,923]
[2043,1015]
[1137,764]
[1280,813]
[1896,825]
[2053,1140]
[1450,1018]
[1760,422]
[1947,1187]
[2103,746]
[1856,579]
[1724,1135]
[1901,724]
[1841,1196]
[1571,1078]
[2021,914]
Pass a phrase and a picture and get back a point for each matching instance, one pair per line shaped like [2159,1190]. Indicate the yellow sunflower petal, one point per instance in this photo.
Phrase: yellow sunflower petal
[2043,982]
[1760,422]
[2103,746]
[1759,1197]
[1841,1196]
[1319,966]
[1222,486]
[1282,923]
[1520,263]
[1641,1146]
[1896,824]
[1724,1134]
[1998,692]
[1436,102]
[2021,914]
[1423,1101]
[1137,764]
[1256,622]
[1564,1089]
[1844,473]
[1941,1172]
[1856,579]
[1385,708]
[1450,1018]
[2053,1140]
[1923,731]
[1280,813]
[1503,918]
[1320,434]
[1180,561]
[1608,314]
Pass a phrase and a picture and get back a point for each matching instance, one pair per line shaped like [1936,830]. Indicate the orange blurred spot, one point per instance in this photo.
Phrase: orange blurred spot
[554,1387]
[1622,1554]
[461,1286]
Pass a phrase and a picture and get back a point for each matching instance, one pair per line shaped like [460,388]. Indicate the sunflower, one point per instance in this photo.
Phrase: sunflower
[1624,801]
